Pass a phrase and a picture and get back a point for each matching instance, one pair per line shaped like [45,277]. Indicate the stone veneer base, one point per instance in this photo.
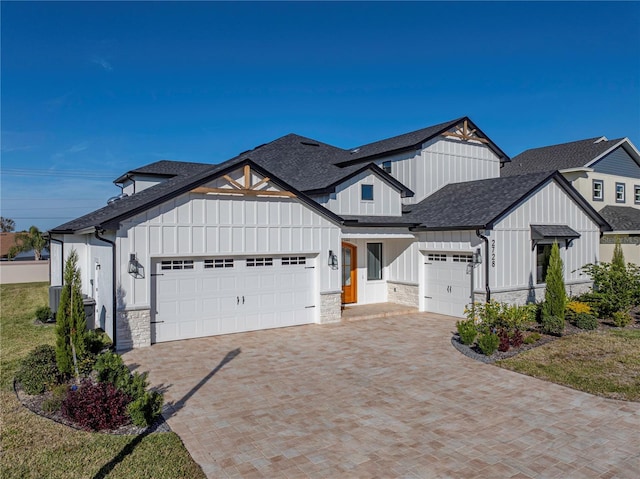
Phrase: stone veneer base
[403,293]
[330,307]
[133,329]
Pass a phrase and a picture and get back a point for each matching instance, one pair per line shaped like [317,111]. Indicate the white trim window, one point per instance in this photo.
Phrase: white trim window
[374,261]
[620,193]
[386,166]
[636,194]
[598,190]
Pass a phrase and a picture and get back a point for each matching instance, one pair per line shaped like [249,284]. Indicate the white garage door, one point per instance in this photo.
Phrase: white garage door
[447,283]
[210,296]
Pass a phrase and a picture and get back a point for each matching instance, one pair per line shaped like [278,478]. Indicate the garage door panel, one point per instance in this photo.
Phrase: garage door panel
[227,296]
[446,284]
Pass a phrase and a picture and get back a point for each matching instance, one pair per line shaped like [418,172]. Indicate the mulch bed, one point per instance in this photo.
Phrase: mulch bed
[34,404]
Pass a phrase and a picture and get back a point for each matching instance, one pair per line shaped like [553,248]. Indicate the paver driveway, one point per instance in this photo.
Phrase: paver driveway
[380,398]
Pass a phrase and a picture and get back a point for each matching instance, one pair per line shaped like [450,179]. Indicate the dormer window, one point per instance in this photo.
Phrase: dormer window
[386,166]
[366,192]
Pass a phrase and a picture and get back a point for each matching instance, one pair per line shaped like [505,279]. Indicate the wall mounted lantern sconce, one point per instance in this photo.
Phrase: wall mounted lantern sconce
[332,260]
[135,269]
[477,257]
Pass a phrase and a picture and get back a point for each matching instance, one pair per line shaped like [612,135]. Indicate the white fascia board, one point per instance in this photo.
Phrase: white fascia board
[621,232]
[347,235]
[579,169]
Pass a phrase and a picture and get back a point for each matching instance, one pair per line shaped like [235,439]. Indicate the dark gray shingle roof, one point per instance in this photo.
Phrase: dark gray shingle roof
[409,140]
[622,218]
[474,204]
[539,232]
[166,168]
[557,157]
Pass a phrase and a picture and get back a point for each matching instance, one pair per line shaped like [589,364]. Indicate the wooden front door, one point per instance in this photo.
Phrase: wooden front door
[349,282]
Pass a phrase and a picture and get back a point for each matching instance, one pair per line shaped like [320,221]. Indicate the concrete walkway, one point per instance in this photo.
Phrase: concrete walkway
[380,398]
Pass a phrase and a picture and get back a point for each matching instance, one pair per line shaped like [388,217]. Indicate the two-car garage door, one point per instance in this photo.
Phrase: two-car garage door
[198,297]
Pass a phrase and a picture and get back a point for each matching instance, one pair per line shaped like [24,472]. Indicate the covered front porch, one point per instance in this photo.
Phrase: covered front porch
[379,268]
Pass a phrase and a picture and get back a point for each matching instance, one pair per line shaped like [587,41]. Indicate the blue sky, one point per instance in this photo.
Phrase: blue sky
[92,90]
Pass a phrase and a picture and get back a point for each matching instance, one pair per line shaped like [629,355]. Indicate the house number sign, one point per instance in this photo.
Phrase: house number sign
[493,253]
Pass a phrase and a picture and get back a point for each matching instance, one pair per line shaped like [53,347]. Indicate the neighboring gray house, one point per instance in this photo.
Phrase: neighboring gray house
[289,232]
[606,173]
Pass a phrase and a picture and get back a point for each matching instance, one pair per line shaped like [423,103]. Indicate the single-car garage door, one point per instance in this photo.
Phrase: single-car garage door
[209,296]
[447,283]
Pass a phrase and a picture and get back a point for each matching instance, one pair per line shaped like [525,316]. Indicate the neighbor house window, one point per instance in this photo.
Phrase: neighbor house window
[386,166]
[543,253]
[619,192]
[366,192]
[598,187]
[636,195]
[374,261]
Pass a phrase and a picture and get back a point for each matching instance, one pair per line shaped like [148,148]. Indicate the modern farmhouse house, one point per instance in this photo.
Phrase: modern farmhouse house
[289,232]
[606,173]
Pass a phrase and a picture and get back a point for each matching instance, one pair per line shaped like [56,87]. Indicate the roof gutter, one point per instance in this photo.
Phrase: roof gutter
[486,265]
[98,232]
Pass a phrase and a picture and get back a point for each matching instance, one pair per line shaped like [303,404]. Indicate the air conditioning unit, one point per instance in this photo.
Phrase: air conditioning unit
[54,298]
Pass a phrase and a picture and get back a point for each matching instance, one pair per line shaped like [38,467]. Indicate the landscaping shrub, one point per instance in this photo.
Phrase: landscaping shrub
[467,331]
[145,406]
[585,321]
[574,308]
[96,406]
[96,341]
[516,338]
[555,295]
[616,285]
[532,338]
[144,410]
[485,316]
[505,342]
[44,314]
[111,368]
[621,318]
[488,343]
[38,370]
[54,403]
[513,317]
[70,318]
[553,325]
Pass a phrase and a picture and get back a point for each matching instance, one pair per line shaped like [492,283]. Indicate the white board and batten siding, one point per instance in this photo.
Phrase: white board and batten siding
[442,161]
[510,240]
[95,264]
[347,200]
[198,226]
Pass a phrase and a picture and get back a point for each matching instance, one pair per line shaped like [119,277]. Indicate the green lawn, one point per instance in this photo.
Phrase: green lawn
[605,363]
[36,447]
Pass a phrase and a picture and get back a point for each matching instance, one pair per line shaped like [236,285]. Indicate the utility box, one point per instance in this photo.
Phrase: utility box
[90,312]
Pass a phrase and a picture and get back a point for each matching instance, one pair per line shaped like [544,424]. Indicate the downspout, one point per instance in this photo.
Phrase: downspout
[98,232]
[486,265]
[61,242]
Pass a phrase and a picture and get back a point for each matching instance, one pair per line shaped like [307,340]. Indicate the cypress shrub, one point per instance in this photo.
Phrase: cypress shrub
[70,318]
[555,295]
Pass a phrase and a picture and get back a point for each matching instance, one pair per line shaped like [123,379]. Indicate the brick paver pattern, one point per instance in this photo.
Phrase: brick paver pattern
[380,398]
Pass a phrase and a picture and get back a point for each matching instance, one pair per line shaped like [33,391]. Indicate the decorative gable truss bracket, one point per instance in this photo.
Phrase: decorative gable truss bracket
[244,187]
[464,133]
